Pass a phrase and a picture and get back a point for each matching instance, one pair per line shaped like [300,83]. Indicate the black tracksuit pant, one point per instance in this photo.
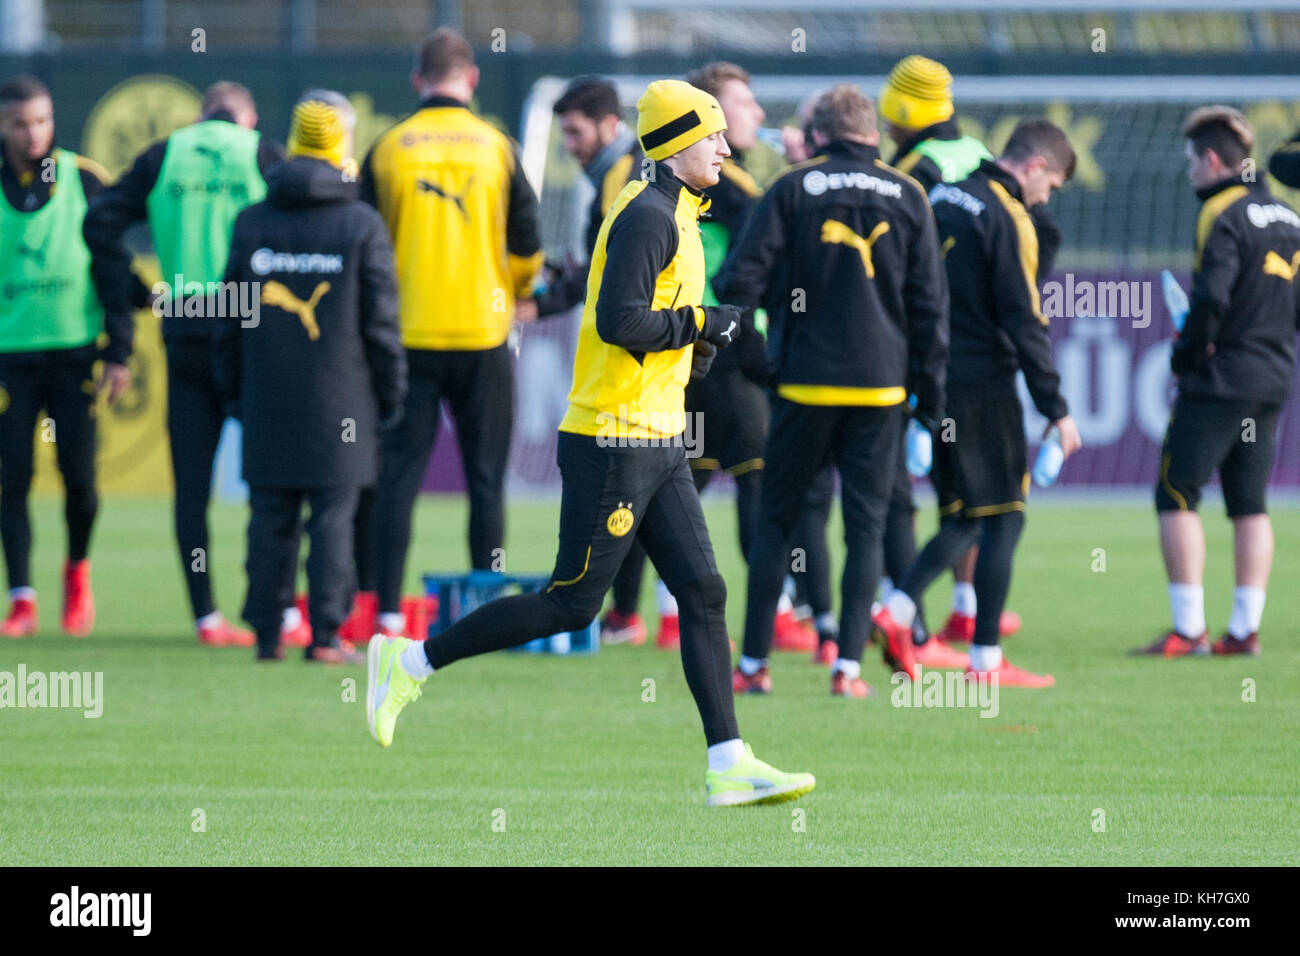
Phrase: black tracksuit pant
[813,579]
[613,496]
[863,442]
[273,529]
[480,388]
[195,415]
[60,382]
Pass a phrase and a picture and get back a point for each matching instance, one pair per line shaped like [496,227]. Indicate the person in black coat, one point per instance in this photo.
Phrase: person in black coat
[314,369]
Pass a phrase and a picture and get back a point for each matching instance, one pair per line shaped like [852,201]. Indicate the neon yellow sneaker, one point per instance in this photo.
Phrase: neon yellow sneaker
[388,687]
[751,781]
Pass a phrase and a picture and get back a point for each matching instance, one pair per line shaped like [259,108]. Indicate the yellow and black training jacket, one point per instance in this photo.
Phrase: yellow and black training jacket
[991,254]
[464,225]
[842,253]
[642,314]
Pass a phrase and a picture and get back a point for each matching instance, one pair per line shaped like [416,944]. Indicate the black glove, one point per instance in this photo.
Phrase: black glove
[391,418]
[702,359]
[721,324]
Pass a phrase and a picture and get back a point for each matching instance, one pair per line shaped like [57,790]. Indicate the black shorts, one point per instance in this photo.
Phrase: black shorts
[734,415]
[980,469]
[1204,433]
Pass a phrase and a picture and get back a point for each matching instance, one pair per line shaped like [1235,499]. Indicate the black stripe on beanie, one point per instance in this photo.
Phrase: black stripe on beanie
[670,131]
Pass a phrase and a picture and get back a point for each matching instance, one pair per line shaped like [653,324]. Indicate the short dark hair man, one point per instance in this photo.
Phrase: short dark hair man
[596,136]
[57,299]
[1234,361]
[998,328]
[620,456]
[843,248]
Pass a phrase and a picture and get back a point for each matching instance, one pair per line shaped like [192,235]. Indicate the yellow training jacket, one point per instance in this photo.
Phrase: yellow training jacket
[464,225]
[642,314]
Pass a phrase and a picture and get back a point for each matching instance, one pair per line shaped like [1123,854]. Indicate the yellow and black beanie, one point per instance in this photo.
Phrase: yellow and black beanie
[672,114]
[318,130]
[917,94]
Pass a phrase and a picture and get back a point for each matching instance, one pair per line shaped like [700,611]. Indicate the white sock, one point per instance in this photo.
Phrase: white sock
[415,662]
[393,621]
[23,592]
[290,618]
[850,669]
[1247,612]
[784,605]
[749,665]
[208,620]
[984,657]
[886,585]
[726,755]
[901,608]
[963,598]
[667,603]
[826,623]
[1187,602]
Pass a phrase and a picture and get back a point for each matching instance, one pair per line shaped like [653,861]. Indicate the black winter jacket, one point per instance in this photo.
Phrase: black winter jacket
[314,374]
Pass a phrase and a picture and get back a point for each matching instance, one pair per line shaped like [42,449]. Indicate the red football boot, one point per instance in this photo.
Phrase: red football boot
[758,683]
[844,686]
[826,654]
[78,601]
[670,637]
[21,621]
[359,625]
[339,654]
[1174,644]
[616,628]
[1011,676]
[1238,645]
[789,635]
[896,645]
[959,629]
[1008,624]
[300,634]
[225,634]
[935,653]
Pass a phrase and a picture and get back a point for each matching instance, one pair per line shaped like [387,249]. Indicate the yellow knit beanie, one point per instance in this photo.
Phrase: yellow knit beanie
[317,130]
[672,115]
[917,94]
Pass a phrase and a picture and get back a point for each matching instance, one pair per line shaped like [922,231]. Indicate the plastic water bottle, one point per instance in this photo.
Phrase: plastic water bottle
[920,449]
[1175,299]
[1051,456]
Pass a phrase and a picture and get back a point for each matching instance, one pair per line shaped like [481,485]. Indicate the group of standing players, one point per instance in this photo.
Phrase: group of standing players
[805,325]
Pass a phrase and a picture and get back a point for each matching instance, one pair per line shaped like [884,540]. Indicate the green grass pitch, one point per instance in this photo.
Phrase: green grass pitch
[523,759]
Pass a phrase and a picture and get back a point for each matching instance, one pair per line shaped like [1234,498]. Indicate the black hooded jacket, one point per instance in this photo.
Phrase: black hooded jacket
[320,365]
